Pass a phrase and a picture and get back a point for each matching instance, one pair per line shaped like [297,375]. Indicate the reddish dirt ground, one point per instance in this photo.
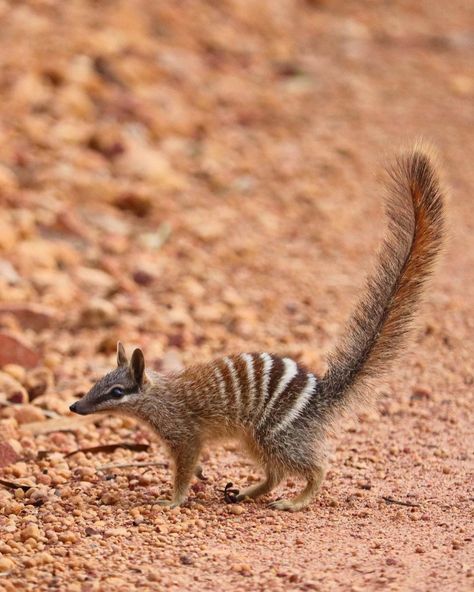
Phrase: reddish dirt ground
[204,177]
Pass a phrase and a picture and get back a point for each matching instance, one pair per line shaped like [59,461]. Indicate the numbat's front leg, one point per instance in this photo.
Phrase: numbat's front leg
[185,460]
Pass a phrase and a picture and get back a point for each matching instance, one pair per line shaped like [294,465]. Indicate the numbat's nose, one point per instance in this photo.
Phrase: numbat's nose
[75,408]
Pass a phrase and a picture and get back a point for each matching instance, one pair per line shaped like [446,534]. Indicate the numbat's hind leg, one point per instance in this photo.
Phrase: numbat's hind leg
[271,481]
[304,498]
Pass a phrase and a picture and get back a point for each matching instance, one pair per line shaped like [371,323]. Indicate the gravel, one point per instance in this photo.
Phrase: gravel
[198,178]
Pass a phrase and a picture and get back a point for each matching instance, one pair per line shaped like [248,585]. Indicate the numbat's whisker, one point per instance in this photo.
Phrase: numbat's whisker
[280,411]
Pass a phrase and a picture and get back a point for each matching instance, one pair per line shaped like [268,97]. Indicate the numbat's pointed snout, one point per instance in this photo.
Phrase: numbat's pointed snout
[75,408]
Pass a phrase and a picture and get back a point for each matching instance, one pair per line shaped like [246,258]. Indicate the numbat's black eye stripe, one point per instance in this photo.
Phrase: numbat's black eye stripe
[110,396]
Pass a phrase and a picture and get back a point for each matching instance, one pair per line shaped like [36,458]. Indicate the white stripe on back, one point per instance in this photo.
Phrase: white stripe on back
[251,380]
[301,400]
[289,372]
[267,366]
[235,383]
[220,384]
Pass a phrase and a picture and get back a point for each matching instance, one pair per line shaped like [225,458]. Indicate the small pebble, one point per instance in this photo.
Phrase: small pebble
[236,509]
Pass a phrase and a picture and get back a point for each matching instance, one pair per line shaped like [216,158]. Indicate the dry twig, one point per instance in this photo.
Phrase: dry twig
[132,465]
[391,500]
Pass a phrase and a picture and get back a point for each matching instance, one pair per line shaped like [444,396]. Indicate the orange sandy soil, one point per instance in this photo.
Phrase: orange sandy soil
[202,177]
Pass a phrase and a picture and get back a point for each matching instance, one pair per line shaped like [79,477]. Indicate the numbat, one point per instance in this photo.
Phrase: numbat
[281,412]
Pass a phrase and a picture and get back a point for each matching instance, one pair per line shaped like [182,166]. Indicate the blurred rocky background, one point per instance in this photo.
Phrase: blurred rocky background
[202,177]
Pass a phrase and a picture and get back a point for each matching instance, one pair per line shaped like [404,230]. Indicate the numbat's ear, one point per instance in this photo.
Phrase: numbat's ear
[137,366]
[121,355]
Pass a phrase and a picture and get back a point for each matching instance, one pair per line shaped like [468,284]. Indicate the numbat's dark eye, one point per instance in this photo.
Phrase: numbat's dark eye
[117,392]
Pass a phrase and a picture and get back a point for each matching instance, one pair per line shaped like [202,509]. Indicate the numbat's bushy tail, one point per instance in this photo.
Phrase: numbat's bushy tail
[277,408]
[383,316]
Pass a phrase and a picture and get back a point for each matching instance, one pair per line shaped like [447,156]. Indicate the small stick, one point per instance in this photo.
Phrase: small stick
[390,500]
[132,465]
[14,485]
[111,448]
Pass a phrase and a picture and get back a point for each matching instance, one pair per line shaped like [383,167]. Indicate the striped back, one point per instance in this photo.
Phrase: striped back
[262,390]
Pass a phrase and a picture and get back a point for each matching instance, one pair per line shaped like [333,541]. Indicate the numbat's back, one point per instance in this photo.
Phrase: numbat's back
[279,410]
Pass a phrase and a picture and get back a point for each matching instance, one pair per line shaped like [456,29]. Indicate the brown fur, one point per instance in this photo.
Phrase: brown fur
[384,315]
[278,410]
